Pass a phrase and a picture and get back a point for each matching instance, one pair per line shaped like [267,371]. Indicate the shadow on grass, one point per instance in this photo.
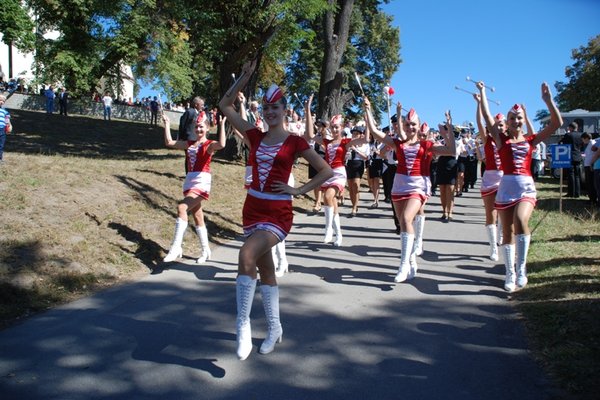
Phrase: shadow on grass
[576,238]
[21,295]
[147,251]
[539,266]
[36,133]
[566,336]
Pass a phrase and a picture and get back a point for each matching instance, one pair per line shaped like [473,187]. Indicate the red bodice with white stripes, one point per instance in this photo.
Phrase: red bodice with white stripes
[271,163]
[516,157]
[492,159]
[335,152]
[197,157]
[414,160]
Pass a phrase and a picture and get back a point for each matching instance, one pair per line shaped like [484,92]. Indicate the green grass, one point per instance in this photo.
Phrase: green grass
[561,304]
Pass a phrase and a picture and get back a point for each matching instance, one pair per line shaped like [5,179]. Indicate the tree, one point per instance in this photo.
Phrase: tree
[372,51]
[583,88]
[98,37]
[17,29]
[16,26]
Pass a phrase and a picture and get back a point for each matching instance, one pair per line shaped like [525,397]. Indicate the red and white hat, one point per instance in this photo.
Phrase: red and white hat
[412,116]
[201,118]
[337,120]
[499,117]
[273,94]
[516,109]
[424,128]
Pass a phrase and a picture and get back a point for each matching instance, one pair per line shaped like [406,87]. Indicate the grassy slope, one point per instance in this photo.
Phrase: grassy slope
[87,204]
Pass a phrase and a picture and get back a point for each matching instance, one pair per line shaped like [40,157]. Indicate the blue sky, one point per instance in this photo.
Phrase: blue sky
[512,46]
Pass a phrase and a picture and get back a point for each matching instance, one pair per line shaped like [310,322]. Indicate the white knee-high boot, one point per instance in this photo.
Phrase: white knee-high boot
[270,298]
[245,288]
[509,264]
[204,246]
[280,259]
[407,247]
[493,239]
[413,262]
[522,250]
[176,251]
[337,226]
[500,233]
[328,211]
[419,225]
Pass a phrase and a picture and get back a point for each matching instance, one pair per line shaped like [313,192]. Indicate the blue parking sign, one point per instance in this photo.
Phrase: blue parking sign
[561,155]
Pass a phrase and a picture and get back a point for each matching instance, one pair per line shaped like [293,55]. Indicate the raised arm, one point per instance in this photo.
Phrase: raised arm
[400,133]
[447,131]
[556,120]
[487,116]
[379,135]
[309,130]
[220,143]
[528,124]
[479,119]
[169,142]
[226,103]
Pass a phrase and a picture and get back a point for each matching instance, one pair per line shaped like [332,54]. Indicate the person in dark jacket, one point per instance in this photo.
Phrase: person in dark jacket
[573,137]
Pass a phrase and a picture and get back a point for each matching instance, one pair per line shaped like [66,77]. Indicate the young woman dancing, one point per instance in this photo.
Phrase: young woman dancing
[196,187]
[516,196]
[412,185]
[335,151]
[267,214]
[491,176]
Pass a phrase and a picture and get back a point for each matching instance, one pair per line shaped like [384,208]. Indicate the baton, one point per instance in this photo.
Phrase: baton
[492,89]
[466,91]
[359,85]
[228,93]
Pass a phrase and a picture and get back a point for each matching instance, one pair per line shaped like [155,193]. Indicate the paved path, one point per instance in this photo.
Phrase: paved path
[349,331]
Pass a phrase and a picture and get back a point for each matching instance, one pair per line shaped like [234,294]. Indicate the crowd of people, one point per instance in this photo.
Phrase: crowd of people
[408,158]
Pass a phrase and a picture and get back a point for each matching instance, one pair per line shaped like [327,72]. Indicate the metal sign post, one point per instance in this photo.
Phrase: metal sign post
[561,158]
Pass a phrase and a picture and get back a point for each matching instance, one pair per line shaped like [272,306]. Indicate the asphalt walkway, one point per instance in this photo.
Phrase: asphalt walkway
[350,332]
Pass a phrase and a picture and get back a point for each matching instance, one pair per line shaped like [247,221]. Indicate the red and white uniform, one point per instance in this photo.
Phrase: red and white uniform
[198,179]
[493,169]
[517,183]
[335,154]
[264,209]
[412,171]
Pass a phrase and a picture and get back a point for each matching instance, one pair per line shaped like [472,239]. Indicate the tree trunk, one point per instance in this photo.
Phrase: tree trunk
[234,147]
[336,26]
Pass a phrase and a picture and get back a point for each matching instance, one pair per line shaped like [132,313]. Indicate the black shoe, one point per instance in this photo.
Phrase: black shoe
[444,217]
[397,230]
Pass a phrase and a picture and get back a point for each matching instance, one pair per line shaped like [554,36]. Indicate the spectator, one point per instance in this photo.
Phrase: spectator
[107,100]
[50,95]
[5,125]
[63,101]
[591,188]
[573,137]
[595,160]
[154,112]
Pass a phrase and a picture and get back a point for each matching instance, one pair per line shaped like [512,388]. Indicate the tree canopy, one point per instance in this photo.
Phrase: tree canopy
[16,25]
[583,87]
[186,47]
